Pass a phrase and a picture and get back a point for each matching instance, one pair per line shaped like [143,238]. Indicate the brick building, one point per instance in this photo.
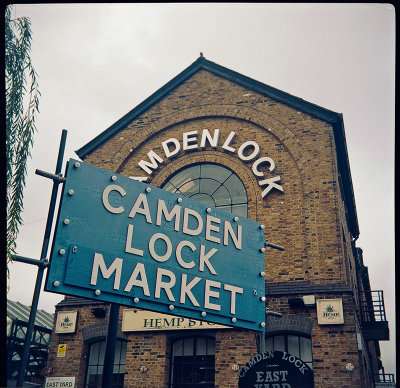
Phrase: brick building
[234,143]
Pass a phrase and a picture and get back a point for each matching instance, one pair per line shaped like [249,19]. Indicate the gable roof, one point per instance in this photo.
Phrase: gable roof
[333,118]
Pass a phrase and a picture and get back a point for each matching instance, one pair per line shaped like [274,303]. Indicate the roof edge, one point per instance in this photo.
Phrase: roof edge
[335,119]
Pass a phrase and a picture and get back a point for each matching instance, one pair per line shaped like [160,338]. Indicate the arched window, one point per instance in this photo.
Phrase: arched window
[296,345]
[211,184]
[192,365]
[96,362]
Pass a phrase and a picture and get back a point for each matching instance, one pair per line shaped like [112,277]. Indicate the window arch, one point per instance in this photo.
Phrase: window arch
[211,184]
[193,363]
[95,365]
[292,343]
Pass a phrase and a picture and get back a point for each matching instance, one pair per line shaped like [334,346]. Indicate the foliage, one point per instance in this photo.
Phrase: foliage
[22,105]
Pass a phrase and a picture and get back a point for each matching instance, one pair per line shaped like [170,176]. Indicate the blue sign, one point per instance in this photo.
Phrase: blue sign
[126,242]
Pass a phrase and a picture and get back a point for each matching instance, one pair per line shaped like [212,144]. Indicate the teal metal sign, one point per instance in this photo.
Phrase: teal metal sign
[122,241]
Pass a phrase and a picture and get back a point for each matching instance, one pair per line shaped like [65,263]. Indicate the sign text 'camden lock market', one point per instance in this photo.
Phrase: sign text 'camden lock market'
[123,241]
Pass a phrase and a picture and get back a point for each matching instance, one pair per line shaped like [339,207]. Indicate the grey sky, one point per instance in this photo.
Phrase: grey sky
[98,61]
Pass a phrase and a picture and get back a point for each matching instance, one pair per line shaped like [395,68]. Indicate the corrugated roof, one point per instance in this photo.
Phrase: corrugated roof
[18,311]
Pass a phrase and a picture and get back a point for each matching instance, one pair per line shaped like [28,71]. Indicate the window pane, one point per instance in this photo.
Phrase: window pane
[211,347]
[305,349]
[201,346]
[269,343]
[96,361]
[170,188]
[94,354]
[279,343]
[293,345]
[123,355]
[212,185]
[117,353]
[203,198]
[188,348]
[236,189]
[190,188]
[222,196]
[178,348]
[193,370]
[240,210]
[216,172]
[208,186]
[187,174]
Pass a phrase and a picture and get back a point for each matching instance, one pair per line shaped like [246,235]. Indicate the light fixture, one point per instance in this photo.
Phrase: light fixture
[99,312]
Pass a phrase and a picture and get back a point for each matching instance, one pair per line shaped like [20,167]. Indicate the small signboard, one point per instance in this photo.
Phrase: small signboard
[66,322]
[142,320]
[126,242]
[62,348]
[275,369]
[59,382]
[330,311]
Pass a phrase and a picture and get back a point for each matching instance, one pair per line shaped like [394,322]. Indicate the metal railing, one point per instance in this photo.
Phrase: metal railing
[373,308]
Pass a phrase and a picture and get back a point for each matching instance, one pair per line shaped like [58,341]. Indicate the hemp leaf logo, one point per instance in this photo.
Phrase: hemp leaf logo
[66,319]
[330,309]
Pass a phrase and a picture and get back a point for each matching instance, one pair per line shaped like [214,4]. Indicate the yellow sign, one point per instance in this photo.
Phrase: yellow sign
[139,320]
[61,350]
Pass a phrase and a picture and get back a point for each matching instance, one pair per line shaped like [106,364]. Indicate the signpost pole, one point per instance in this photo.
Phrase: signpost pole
[267,312]
[39,276]
[111,343]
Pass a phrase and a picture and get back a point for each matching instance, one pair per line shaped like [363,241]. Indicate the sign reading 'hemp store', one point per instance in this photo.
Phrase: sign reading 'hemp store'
[122,241]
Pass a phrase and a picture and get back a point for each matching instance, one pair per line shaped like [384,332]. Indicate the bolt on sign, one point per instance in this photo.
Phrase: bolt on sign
[66,321]
[275,369]
[330,311]
[126,242]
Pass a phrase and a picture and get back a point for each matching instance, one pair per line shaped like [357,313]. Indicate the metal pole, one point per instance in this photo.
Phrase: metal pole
[267,312]
[111,343]
[262,342]
[39,276]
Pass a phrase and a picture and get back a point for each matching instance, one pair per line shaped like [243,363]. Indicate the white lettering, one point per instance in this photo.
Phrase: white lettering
[185,228]
[146,166]
[116,266]
[210,227]
[271,185]
[179,247]
[233,290]
[128,245]
[167,152]
[175,212]
[204,259]
[211,294]
[165,285]
[133,280]
[226,146]
[106,203]
[212,140]
[246,144]
[141,199]
[187,139]
[186,290]
[228,231]
[261,161]
[168,251]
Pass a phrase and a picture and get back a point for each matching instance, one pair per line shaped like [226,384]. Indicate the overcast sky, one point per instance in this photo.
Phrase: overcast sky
[97,62]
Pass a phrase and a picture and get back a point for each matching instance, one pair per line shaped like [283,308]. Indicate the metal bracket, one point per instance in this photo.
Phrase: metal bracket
[274,246]
[56,178]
